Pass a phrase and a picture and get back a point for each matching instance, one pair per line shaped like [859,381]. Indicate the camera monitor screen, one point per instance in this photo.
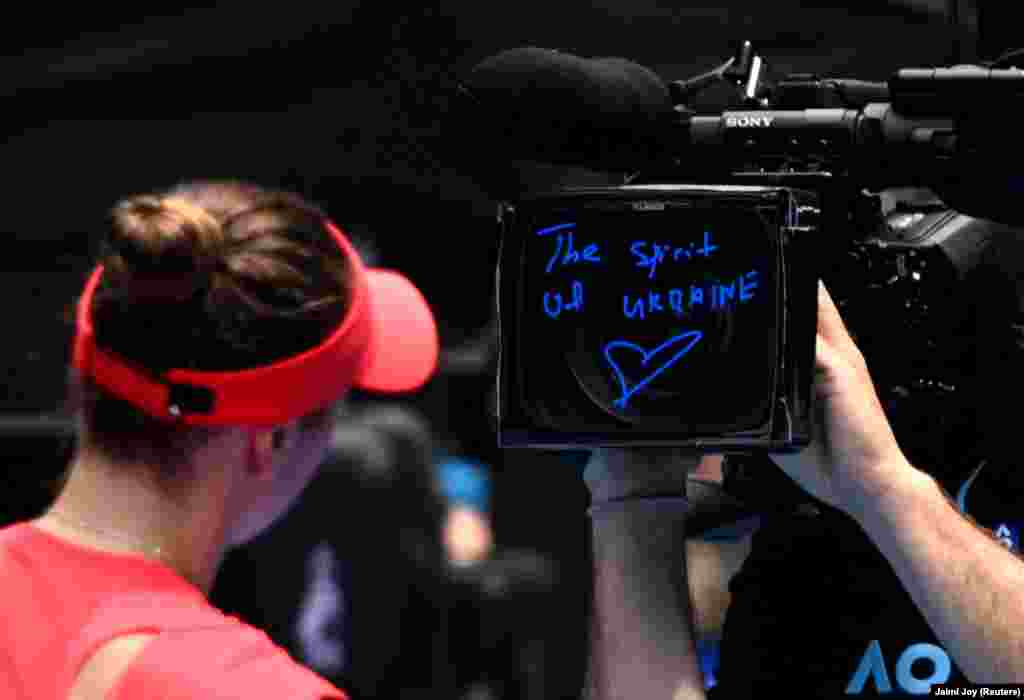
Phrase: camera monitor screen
[632,315]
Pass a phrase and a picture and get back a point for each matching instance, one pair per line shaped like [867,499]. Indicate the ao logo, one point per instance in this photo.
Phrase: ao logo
[873,664]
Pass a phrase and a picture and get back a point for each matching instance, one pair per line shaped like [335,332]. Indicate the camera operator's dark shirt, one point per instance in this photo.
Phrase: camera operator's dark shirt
[817,612]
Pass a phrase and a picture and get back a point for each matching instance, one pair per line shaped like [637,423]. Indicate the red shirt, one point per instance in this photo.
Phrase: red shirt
[60,602]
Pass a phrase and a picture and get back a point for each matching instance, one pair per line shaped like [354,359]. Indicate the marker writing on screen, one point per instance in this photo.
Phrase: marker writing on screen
[554,304]
[678,301]
[650,255]
[570,256]
[655,361]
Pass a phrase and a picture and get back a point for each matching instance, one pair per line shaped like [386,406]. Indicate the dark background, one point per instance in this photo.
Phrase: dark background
[342,102]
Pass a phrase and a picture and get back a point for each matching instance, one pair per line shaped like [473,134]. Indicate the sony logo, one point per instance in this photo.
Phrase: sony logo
[748,121]
[648,206]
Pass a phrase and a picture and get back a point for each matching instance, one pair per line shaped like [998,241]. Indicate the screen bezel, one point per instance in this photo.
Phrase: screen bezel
[787,428]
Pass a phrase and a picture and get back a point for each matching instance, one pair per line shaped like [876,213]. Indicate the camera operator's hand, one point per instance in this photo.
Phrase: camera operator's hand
[617,474]
[854,457]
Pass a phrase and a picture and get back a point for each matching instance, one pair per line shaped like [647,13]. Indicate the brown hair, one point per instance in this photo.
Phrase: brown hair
[207,276]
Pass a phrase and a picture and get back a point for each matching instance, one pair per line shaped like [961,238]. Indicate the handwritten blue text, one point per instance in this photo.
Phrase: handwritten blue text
[570,256]
[554,304]
[679,301]
[650,255]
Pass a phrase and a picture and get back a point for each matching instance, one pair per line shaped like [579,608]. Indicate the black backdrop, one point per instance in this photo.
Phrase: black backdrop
[341,101]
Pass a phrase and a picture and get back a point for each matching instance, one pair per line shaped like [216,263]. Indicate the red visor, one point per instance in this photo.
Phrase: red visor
[387,343]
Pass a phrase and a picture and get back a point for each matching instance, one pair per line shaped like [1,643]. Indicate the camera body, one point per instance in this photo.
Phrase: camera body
[648,315]
[621,326]
[923,299]
[920,297]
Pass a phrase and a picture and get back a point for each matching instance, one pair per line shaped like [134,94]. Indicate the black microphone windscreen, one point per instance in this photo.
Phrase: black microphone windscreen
[610,91]
[548,106]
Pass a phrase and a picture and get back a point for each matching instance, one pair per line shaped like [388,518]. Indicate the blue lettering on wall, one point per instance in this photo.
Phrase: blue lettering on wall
[554,304]
[655,361]
[872,665]
[570,255]
[941,668]
[650,255]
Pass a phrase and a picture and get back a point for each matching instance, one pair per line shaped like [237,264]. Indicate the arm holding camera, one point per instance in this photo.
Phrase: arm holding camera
[642,639]
[969,587]
[965,583]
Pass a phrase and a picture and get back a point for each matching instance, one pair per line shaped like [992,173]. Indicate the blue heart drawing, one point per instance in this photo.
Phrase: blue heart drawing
[647,356]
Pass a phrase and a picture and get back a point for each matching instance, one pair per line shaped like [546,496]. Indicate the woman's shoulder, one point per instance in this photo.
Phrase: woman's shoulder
[229,659]
[226,660]
[172,645]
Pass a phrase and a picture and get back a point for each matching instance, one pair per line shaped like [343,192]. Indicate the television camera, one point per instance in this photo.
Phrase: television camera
[679,306]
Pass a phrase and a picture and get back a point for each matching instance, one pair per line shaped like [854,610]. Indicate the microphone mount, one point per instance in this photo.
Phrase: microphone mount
[745,70]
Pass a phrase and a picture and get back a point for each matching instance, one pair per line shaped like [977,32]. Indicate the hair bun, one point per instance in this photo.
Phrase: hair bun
[163,248]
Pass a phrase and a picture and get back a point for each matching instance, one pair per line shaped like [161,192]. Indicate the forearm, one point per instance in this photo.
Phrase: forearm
[968,586]
[642,640]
